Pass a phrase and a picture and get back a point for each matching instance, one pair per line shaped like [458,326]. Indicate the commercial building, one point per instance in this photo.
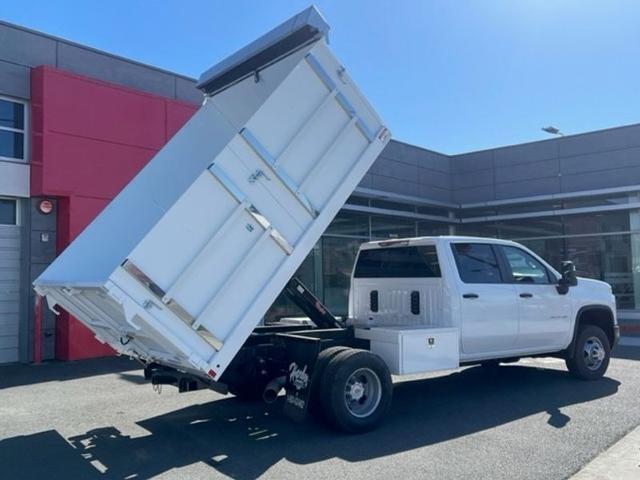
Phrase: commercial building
[76,124]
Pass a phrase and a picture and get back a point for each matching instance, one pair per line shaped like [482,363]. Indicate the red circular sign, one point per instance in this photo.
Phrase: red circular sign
[46,206]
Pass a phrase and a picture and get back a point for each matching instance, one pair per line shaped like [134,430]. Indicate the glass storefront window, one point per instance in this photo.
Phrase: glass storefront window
[392,227]
[338,257]
[436,211]
[353,200]
[283,307]
[349,223]
[552,250]
[607,258]
[595,201]
[530,227]
[487,229]
[432,229]
[393,205]
[597,222]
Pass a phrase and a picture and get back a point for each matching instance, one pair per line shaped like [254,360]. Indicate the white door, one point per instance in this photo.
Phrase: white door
[489,305]
[9,281]
[545,315]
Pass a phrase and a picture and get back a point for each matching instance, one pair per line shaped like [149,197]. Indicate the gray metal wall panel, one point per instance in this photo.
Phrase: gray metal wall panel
[472,162]
[525,153]
[42,241]
[608,160]
[26,48]
[429,177]
[527,171]
[526,188]
[412,155]
[409,170]
[367,181]
[187,92]
[395,185]
[474,194]
[473,179]
[15,80]
[394,169]
[9,293]
[601,179]
[115,70]
[431,192]
[611,139]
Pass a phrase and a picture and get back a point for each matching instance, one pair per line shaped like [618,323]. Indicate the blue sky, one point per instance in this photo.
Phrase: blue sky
[452,76]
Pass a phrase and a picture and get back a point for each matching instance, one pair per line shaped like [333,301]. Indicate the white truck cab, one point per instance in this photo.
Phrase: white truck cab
[501,299]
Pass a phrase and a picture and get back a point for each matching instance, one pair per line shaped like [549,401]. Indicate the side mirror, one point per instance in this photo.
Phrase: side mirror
[569,277]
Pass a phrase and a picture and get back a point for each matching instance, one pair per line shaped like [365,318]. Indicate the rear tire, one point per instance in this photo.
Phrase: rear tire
[591,354]
[356,391]
[315,400]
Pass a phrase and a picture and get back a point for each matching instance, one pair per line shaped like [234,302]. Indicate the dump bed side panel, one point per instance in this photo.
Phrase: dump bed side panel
[183,264]
[224,251]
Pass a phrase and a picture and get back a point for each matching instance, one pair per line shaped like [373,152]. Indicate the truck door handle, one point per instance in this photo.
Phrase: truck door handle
[470,295]
[526,295]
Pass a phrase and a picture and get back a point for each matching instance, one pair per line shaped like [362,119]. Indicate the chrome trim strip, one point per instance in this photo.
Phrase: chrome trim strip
[220,175]
[171,304]
[320,71]
[269,160]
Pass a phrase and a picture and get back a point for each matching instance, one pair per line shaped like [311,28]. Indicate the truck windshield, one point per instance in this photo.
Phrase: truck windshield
[398,262]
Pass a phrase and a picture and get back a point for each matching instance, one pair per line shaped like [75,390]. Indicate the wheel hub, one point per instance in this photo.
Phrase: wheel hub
[363,392]
[356,391]
[594,353]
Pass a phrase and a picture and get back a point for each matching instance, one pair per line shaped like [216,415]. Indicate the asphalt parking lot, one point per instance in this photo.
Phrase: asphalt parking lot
[97,419]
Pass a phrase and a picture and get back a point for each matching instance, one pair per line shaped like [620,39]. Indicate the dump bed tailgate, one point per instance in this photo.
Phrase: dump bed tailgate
[270,158]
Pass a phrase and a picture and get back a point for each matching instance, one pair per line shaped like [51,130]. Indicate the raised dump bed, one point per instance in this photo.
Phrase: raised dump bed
[182,265]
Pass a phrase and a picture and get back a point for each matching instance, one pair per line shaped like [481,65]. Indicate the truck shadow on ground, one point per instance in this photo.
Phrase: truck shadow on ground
[243,440]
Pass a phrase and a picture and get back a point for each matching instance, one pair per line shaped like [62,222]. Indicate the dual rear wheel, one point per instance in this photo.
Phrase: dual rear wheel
[352,389]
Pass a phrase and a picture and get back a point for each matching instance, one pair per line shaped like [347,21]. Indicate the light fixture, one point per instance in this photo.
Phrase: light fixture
[45,206]
[552,130]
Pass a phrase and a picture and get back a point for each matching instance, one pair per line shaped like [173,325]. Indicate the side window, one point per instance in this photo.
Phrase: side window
[8,212]
[398,262]
[12,130]
[525,268]
[476,263]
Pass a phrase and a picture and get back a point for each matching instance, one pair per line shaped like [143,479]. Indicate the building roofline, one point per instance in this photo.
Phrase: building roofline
[95,50]
[413,145]
[556,139]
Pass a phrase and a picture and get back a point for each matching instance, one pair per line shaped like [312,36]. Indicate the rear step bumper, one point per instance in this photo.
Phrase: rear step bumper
[186,382]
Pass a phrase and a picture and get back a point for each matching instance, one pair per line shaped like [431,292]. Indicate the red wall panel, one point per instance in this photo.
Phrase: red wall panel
[89,139]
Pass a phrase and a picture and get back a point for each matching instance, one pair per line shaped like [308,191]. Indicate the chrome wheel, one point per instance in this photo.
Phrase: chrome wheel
[363,392]
[594,353]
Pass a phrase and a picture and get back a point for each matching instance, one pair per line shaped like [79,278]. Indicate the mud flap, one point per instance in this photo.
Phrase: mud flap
[303,353]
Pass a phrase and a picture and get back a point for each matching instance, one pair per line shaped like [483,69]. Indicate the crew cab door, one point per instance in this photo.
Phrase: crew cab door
[489,306]
[545,315]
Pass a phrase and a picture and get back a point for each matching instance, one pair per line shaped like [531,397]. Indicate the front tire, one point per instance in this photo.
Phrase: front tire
[356,391]
[591,354]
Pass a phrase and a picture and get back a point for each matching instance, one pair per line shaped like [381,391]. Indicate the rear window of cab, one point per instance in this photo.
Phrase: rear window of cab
[398,262]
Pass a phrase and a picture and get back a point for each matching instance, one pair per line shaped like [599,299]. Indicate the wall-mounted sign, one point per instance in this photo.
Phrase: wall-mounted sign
[45,206]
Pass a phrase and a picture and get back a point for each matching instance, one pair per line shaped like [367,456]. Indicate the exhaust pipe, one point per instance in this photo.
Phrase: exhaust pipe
[272,389]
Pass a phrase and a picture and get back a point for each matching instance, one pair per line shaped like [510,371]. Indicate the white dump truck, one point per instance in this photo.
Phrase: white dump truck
[180,268]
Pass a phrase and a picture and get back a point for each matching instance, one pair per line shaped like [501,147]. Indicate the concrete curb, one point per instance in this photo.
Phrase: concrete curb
[619,462]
